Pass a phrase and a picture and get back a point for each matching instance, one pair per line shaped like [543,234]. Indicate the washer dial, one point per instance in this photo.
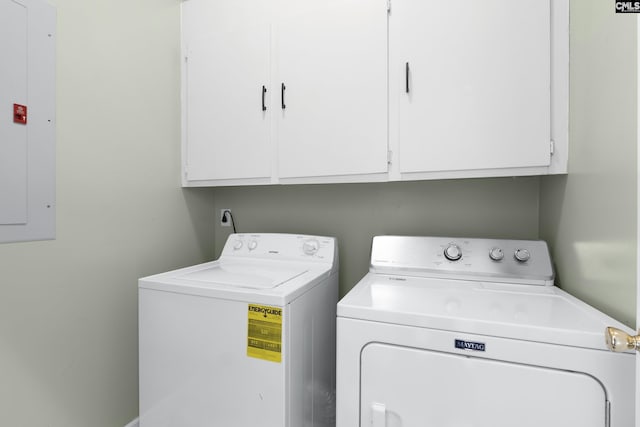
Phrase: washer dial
[496,254]
[522,255]
[453,252]
[310,247]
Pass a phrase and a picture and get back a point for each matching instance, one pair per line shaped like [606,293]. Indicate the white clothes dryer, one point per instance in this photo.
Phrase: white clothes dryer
[455,332]
[246,340]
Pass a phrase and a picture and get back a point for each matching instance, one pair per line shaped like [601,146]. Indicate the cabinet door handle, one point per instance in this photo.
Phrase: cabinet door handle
[264,91]
[282,88]
[406,77]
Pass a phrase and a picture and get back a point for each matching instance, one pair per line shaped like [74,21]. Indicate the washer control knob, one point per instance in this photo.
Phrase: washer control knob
[253,244]
[496,254]
[310,247]
[237,245]
[522,255]
[453,252]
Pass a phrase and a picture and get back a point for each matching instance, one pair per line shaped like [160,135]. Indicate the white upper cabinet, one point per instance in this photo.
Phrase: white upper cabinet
[320,68]
[308,91]
[332,61]
[471,87]
[226,106]
[477,83]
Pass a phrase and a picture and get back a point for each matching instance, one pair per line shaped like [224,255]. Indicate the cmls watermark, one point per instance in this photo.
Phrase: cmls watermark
[627,6]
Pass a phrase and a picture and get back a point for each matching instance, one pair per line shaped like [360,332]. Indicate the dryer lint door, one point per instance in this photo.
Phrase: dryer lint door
[406,387]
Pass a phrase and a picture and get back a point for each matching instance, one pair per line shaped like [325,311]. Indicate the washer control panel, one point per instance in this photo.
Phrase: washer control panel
[501,260]
[280,246]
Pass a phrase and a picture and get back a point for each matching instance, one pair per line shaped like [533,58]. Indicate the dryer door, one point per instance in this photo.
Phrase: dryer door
[410,387]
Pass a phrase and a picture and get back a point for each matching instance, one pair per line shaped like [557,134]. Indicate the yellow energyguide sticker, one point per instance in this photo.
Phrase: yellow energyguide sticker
[264,335]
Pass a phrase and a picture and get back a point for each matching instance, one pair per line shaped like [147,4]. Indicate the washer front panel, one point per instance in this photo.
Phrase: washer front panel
[194,366]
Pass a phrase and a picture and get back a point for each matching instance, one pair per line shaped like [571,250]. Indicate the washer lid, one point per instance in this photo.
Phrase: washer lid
[245,275]
[525,312]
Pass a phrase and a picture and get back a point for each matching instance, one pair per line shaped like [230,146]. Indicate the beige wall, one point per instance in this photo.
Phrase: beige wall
[589,216]
[68,308]
[354,213]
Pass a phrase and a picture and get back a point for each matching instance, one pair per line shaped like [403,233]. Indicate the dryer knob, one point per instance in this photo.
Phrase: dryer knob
[310,247]
[453,252]
[253,244]
[522,255]
[237,245]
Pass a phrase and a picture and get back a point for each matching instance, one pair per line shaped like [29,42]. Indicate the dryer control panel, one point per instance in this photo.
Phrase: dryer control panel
[281,246]
[500,260]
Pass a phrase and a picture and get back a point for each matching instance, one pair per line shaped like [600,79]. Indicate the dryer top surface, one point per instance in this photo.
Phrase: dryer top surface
[525,312]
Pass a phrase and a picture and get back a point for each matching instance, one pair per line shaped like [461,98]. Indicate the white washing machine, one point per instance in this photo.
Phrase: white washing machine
[246,340]
[472,333]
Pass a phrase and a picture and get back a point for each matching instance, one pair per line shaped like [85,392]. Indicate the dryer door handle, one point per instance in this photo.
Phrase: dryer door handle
[378,415]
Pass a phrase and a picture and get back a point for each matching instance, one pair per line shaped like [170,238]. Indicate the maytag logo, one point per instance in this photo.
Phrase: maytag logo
[627,6]
[469,345]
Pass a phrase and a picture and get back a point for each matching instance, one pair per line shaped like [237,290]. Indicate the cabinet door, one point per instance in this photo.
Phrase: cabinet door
[227,129]
[332,60]
[471,83]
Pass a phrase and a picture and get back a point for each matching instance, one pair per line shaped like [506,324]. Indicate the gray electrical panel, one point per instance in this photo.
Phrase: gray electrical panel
[27,120]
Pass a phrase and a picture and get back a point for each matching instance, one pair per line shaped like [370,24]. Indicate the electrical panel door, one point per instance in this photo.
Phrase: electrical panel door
[27,129]
[13,134]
